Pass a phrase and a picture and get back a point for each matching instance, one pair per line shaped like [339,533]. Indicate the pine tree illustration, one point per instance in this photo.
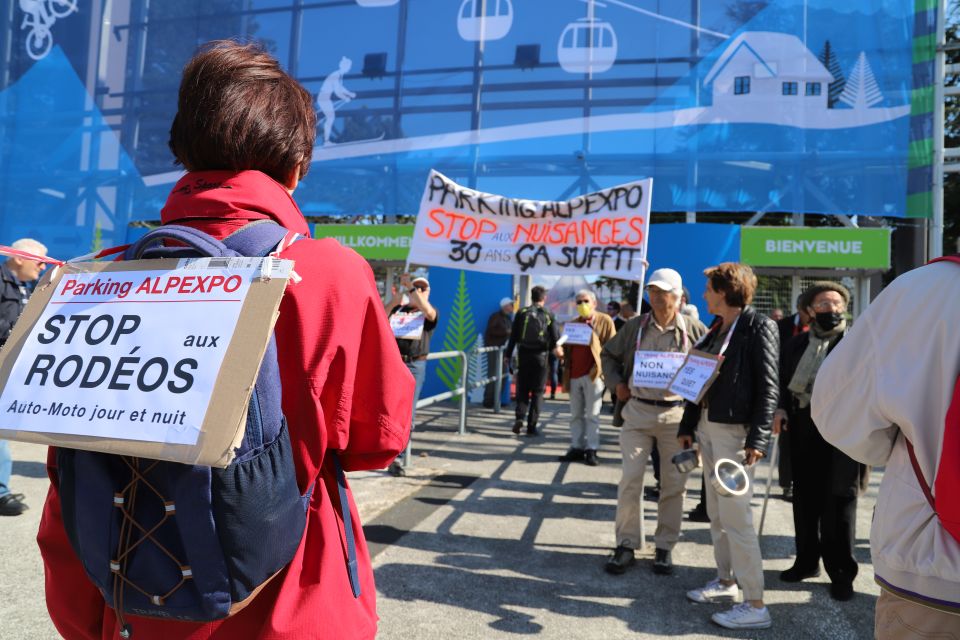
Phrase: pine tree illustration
[861,91]
[835,88]
[461,335]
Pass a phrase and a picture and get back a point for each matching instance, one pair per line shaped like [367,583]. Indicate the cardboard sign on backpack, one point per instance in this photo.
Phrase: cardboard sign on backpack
[148,358]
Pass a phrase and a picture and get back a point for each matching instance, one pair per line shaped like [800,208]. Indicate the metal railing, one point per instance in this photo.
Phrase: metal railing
[463,389]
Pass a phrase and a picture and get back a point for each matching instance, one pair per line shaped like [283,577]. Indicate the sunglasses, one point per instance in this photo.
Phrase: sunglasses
[420,287]
[583,302]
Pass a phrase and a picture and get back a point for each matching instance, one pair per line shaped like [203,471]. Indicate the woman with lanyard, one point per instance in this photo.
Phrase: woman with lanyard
[733,420]
[638,365]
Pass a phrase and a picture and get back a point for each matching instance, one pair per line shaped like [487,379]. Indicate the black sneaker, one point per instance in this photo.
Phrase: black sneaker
[573,455]
[619,560]
[797,573]
[12,504]
[699,514]
[532,431]
[841,591]
[396,469]
[590,458]
[517,425]
[662,563]
[652,493]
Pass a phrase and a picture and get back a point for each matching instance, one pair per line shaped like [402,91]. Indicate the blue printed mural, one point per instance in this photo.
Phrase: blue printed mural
[731,105]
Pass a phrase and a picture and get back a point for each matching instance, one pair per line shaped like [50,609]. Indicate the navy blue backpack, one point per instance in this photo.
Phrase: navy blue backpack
[170,540]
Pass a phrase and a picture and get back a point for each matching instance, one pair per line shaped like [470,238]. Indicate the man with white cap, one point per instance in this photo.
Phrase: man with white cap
[413,320]
[638,364]
[499,325]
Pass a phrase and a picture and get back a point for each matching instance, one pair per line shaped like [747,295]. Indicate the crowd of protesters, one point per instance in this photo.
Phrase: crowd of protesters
[767,383]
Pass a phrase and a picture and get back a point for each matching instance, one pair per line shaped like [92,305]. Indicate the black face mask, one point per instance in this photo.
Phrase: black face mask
[829,320]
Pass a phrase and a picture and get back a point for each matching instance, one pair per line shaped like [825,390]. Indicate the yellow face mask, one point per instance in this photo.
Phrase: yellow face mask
[584,310]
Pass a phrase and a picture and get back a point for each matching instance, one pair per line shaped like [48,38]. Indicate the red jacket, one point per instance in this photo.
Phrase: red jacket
[344,388]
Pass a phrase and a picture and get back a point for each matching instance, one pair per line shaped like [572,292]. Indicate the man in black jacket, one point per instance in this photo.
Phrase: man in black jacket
[499,325]
[534,333]
[15,275]
[826,480]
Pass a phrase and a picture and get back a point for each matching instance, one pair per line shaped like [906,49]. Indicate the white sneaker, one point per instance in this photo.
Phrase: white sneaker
[743,616]
[715,591]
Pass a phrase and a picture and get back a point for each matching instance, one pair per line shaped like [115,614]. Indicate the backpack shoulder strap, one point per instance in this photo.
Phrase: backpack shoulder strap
[256,239]
[194,238]
[352,569]
[952,258]
[920,479]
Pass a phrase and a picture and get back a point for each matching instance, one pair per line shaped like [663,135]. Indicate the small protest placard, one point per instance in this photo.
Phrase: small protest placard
[154,358]
[577,333]
[656,369]
[695,376]
[407,326]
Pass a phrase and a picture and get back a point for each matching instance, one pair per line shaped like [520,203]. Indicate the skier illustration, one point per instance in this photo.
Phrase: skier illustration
[333,86]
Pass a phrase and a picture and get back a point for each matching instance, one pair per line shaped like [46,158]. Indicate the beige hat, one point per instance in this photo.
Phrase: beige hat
[666,280]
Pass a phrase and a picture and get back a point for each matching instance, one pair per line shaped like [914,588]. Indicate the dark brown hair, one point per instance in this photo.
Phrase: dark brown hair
[239,110]
[735,281]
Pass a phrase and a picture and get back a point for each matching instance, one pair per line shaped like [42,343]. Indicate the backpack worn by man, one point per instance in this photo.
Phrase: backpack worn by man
[533,332]
[944,496]
[169,540]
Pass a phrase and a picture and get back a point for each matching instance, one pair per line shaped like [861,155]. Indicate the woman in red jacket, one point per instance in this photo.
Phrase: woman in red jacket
[245,131]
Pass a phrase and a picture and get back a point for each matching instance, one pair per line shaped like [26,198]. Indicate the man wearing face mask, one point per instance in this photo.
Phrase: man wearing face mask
[826,481]
[583,378]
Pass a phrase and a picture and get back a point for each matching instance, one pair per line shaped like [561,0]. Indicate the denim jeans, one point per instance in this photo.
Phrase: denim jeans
[6,466]
[419,370]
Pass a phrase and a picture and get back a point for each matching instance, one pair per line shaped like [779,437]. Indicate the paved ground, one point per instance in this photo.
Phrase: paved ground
[491,537]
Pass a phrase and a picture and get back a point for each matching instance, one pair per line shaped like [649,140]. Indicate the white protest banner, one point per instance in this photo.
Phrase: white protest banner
[407,326]
[656,369]
[129,354]
[695,376]
[578,333]
[602,233]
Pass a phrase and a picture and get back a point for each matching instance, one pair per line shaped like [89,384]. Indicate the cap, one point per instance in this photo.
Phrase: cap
[819,287]
[420,279]
[506,301]
[667,280]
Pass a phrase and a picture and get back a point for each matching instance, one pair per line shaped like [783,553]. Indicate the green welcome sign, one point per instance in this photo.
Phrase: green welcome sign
[831,248]
[373,242]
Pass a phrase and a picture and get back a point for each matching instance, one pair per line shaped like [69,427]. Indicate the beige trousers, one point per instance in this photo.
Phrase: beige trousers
[736,547]
[899,619]
[645,425]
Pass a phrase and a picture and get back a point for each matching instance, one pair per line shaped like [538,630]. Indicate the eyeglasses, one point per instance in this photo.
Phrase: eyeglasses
[420,287]
[583,302]
[829,305]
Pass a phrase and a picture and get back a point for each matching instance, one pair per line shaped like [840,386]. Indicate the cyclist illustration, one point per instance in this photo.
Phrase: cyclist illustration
[333,86]
[39,16]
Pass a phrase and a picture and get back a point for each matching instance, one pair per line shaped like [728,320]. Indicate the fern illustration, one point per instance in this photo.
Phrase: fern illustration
[460,336]
[477,370]
[835,88]
[861,90]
